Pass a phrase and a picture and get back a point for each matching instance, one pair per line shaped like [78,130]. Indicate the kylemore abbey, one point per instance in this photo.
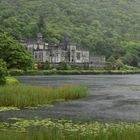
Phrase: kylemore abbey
[67,52]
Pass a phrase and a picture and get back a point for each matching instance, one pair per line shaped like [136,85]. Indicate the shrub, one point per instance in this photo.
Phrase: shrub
[47,65]
[63,66]
[35,67]
[16,72]
[11,81]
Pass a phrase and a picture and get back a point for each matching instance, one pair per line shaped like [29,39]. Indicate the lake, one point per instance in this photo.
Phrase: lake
[111,98]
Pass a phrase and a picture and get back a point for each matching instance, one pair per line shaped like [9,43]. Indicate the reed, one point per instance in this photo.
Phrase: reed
[22,96]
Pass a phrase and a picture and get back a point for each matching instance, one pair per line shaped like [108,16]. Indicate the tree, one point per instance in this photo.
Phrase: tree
[132,55]
[14,54]
[119,64]
[112,62]
[47,65]
[91,24]
[41,23]
[3,72]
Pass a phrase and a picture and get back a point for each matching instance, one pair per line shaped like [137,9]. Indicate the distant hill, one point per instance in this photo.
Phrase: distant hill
[100,25]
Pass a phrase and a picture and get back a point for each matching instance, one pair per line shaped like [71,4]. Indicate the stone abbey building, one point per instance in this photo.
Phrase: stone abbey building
[63,52]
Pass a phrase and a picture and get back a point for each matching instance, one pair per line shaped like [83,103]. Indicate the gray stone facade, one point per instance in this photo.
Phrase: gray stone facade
[57,53]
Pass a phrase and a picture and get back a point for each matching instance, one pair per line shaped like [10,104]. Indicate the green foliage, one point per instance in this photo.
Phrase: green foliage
[89,20]
[63,66]
[47,65]
[132,55]
[48,129]
[14,54]
[114,64]
[35,66]
[119,64]
[3,72]
[16,72]
[11,81]
[102,26]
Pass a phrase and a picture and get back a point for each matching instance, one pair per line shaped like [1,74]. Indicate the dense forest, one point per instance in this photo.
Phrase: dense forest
[105,27]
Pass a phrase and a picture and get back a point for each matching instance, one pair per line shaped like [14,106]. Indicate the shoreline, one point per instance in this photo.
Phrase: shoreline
[71,72]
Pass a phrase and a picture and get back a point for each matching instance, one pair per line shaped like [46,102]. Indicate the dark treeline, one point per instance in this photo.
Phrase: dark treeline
[105,27]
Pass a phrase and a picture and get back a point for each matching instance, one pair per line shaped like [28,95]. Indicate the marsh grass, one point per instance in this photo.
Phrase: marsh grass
[22,96]
[48,129]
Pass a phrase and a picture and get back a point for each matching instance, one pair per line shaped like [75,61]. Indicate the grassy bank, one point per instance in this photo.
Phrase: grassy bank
[67,130]
[29,96]
[71,72]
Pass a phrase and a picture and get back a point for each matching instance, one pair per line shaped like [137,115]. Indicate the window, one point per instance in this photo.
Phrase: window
[35,56]
[40,56]
[78,56]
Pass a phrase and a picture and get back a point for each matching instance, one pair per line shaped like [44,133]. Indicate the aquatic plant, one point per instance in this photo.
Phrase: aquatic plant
[22,96]
[2,109]
[48,129]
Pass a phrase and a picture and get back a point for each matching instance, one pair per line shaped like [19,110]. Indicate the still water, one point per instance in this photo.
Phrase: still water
[111,98]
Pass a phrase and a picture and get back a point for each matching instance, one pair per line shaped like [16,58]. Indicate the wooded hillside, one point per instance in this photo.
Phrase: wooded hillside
[106,27]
